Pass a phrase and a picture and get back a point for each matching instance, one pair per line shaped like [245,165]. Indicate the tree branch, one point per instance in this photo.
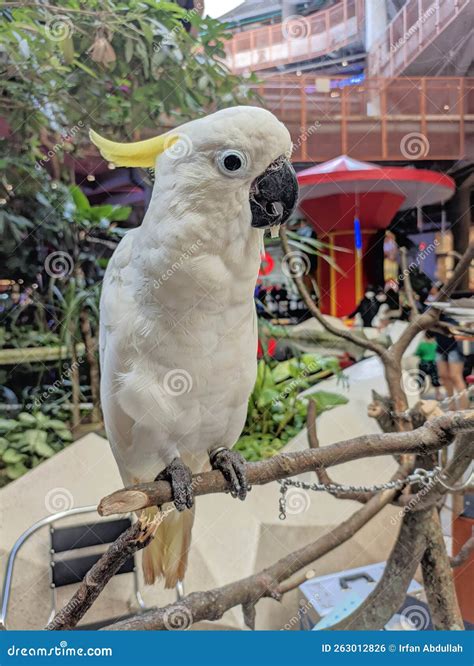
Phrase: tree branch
[438,580]
[432,436]
[212,604]
[389,594]
[407,283]
[430,317]
[129,542]
[317,314]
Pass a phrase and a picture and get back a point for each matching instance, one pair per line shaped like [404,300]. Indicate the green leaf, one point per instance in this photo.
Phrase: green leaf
[35,437]
[128,49]
[80,199]
[65,435]
[3,445]
[15,471]
[27,419]
[281,371]
[326,400]
[43,449]
[55,424]
[10,457]
[7,425]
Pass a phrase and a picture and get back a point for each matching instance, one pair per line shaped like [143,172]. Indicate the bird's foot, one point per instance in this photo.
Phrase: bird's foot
[232,466]
[180,477]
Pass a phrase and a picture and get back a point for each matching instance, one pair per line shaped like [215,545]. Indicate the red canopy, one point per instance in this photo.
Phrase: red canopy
[333,193]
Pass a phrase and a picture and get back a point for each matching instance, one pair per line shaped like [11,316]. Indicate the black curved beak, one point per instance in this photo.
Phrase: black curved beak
[273,194]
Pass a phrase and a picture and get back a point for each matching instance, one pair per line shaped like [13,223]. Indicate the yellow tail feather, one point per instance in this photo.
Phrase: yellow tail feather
[167,554]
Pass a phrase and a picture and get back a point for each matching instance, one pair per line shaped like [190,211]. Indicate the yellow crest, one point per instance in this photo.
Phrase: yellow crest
[137,154]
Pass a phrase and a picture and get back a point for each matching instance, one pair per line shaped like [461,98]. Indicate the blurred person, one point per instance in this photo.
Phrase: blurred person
[426,352]
[449,357]
[367,308]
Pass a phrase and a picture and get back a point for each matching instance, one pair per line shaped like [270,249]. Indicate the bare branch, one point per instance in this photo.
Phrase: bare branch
[321,472]
[317,314]
[438,580]
[129,542]
[407,283]
[432,436]
[389,594]
[430,317]
[212,604]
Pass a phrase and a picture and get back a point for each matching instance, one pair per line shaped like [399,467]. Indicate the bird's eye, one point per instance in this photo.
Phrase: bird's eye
[232,162]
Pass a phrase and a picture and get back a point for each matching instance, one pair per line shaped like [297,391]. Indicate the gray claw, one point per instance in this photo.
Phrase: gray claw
[180,477]
[232,466]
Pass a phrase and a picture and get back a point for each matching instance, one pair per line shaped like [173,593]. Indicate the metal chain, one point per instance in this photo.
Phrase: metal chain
[422,476]
[444,403]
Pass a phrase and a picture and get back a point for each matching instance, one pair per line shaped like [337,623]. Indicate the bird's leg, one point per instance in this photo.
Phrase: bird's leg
[180,477]
[232,466]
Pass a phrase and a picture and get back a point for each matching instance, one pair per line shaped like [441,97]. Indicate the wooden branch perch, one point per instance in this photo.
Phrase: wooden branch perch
[407,283]
[129,542]
[432,436]
[437,579]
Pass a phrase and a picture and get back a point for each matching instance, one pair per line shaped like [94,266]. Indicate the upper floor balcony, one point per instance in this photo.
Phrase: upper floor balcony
[405,119]
[297,39]
[422,37]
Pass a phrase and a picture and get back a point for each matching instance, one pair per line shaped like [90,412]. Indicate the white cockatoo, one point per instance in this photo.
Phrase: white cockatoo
[178,329]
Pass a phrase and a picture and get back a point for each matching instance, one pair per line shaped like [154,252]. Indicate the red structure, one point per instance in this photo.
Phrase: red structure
[346,202]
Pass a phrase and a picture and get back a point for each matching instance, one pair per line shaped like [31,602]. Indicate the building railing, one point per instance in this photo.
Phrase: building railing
[405,118]
[296,39]
[415,26]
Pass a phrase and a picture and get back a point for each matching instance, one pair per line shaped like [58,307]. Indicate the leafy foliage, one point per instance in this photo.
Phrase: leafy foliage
[277,411]
[28,440]
[118,65]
